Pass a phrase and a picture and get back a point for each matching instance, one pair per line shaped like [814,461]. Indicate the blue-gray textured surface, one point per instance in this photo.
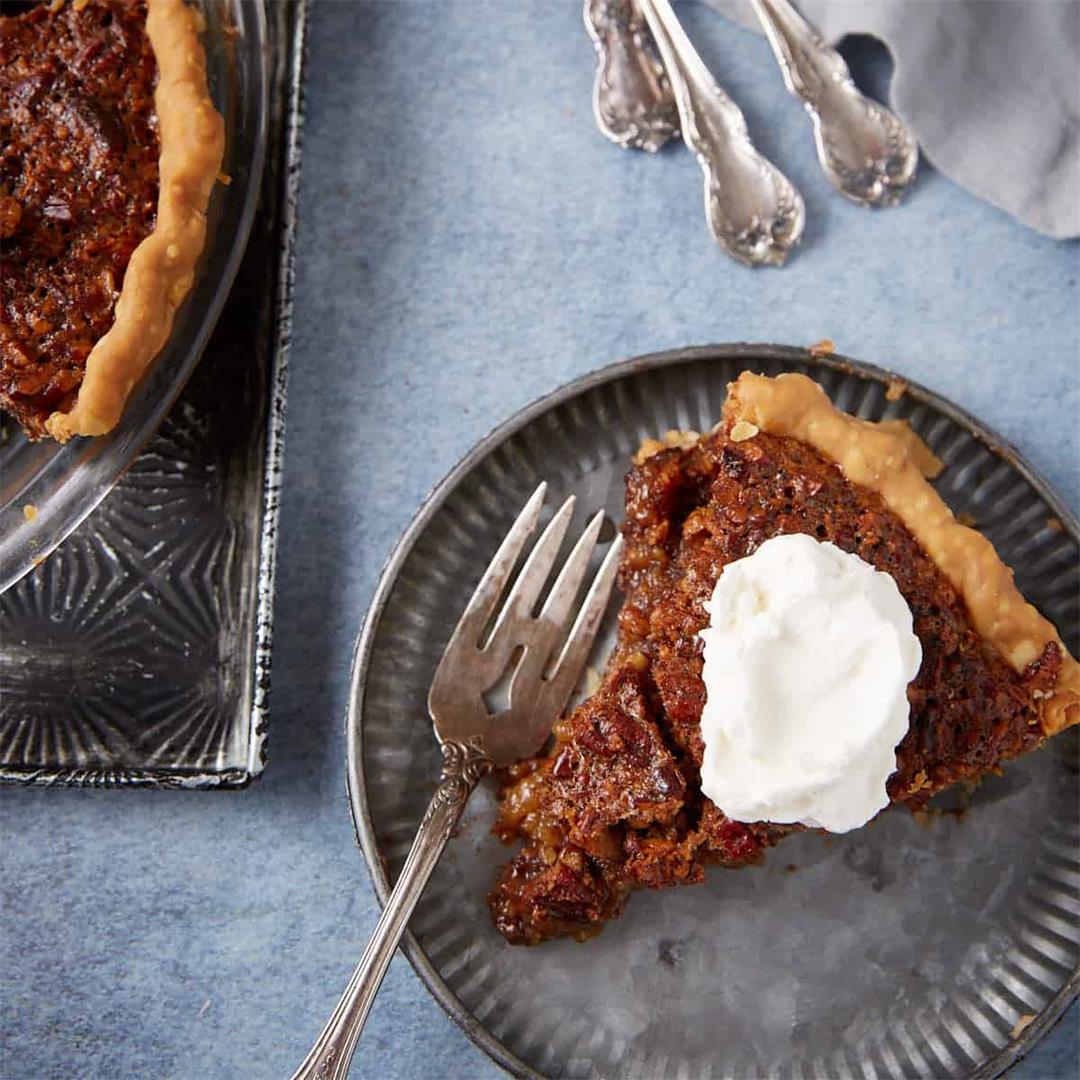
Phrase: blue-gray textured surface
[468,241]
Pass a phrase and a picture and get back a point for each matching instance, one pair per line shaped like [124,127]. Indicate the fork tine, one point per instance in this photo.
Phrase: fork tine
[564,591]
[576,650]
[522,599]
[486,595]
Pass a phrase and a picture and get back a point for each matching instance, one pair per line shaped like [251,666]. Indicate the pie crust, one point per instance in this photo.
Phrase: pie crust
[875,458]
[162,268]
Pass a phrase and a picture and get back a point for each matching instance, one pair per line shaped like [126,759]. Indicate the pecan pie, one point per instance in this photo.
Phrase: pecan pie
[615,804]
[111,146]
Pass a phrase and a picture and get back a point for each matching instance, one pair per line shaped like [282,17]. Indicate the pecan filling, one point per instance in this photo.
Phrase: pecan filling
[615,805]
[78,189]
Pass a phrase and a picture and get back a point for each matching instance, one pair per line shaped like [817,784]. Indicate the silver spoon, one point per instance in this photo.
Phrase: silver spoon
[754,212]
[632,98]
[868,155]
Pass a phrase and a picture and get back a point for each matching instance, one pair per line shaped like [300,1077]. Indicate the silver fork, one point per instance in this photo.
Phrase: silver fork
[545,660]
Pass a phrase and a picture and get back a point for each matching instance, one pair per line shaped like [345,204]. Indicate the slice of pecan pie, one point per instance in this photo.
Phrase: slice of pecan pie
[110,148]
[616,803]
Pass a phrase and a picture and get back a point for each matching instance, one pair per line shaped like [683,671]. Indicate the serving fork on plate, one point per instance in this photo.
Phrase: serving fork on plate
[535,653]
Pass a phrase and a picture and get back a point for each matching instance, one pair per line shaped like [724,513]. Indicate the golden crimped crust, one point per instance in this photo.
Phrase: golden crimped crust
[162,268]
[795,406]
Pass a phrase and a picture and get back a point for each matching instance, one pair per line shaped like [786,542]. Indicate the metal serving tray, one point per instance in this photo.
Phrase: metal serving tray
[138,653]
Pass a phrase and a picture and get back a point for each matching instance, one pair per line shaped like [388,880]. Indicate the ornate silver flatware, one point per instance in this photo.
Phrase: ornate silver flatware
[541,654]
[633,102]
[868,155]
[754,212]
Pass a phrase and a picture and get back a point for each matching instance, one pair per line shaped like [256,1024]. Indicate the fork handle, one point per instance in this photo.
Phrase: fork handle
[464,763]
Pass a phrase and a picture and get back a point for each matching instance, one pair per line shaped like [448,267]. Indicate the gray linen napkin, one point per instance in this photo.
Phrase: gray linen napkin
[991,89]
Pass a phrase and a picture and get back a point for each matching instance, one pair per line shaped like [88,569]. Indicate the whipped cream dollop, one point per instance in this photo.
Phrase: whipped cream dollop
[808,654]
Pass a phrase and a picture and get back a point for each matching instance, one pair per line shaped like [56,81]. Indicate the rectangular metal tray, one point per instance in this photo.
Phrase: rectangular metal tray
[138,653]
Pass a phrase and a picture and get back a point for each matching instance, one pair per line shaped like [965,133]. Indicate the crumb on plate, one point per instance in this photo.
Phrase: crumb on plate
[1024,1021]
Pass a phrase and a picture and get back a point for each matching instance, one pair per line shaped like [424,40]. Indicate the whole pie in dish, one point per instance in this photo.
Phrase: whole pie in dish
[111,146]
[616,803]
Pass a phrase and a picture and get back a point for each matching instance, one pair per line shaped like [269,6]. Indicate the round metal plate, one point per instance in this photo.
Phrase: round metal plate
[910,948]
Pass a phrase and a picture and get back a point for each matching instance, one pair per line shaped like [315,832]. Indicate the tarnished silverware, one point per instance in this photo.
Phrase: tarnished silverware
[542,655]
[754,212]
[632,98]
[868,155]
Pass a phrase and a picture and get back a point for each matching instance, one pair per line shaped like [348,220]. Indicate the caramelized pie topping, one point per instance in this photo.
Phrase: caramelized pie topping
[79,184]
[110,148]
[615,804]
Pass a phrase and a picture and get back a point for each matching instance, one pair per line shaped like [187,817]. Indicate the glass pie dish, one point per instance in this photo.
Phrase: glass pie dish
[47,489]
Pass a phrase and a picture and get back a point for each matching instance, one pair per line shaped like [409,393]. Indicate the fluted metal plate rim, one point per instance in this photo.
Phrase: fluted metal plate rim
[744,355]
